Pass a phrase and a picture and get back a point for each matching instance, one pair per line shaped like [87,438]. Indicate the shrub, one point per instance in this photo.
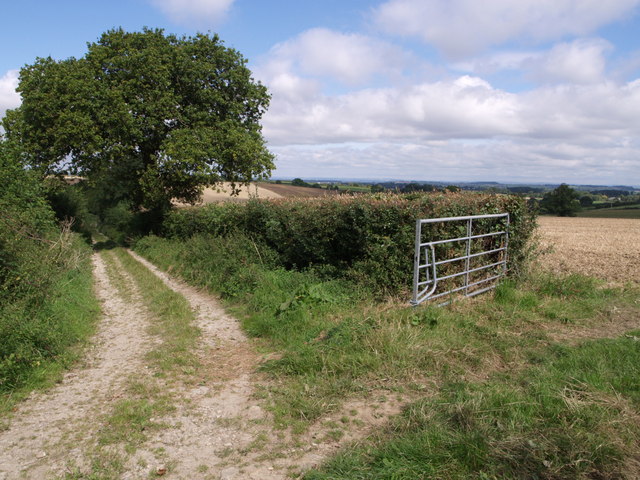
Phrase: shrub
[69,203]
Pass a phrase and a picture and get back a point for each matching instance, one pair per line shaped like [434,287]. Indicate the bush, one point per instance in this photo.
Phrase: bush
[369,238]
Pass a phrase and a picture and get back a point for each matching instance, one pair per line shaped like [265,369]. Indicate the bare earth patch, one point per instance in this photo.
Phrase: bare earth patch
[606,248]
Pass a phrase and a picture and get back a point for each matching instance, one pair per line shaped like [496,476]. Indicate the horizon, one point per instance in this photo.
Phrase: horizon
[451,182]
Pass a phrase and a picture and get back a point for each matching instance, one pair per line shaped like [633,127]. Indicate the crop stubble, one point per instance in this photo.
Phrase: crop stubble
[607,248]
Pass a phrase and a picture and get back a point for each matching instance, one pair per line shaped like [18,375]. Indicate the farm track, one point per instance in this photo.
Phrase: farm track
[217,428]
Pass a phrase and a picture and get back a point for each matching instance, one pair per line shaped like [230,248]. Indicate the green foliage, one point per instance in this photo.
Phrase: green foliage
[298,182]
[586,201]
[38,329]
[563,201]
[231,265]
[27,228]
[147,116]
[369,238]
[46,301]
[70,204]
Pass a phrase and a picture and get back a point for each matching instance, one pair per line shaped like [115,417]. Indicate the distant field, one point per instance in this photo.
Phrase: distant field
[355,188]
[608,248]
[286,190]
[223,194]
[630,211]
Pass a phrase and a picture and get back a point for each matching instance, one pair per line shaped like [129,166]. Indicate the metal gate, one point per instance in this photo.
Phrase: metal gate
[470,262]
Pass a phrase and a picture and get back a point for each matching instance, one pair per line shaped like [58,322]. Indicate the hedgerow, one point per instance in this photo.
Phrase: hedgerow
[46,299]
[368,238]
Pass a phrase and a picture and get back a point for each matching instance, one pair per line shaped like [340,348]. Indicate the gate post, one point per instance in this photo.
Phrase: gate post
[416,262]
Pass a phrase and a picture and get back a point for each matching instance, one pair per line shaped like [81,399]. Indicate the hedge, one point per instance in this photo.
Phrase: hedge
[366,237]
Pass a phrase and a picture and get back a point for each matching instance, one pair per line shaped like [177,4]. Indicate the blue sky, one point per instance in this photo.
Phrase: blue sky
[449,90]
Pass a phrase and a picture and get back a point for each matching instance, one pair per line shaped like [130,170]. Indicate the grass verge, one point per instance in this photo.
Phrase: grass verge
[45,331]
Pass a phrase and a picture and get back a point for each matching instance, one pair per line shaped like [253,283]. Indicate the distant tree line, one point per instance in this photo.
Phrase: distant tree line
[411,187]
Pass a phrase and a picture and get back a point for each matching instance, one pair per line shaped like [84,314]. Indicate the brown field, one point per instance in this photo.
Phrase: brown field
[607,248]
[285,190]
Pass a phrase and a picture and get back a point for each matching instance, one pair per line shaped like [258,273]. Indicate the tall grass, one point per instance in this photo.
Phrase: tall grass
[41,327]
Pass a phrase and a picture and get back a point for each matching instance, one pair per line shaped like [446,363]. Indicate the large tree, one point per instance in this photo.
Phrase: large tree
[146,116]
[563,201]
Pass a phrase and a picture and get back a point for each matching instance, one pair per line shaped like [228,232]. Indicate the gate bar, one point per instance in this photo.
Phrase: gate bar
[427,250]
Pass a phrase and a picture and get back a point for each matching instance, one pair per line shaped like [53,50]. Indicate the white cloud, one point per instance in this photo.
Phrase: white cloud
[495,62]
[467,107]
[461,28]
[580,61]
[194,12]
[349,58]
[9,98]
[602,113]
[459,128]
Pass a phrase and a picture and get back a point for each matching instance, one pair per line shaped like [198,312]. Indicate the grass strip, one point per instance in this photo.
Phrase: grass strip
[173,319]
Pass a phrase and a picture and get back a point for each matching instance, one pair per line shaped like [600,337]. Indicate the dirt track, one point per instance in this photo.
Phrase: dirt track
[31,444]
[218,429]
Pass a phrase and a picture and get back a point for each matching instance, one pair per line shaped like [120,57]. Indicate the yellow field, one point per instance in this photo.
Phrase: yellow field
[223,194]
[607,248]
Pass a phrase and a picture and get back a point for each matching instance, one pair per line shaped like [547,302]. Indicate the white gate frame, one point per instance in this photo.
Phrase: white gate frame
[425,274]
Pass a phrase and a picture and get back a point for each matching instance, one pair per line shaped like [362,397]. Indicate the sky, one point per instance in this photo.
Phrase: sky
[543,91]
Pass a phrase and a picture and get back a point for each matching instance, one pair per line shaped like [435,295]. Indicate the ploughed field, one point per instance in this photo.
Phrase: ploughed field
[607,248]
